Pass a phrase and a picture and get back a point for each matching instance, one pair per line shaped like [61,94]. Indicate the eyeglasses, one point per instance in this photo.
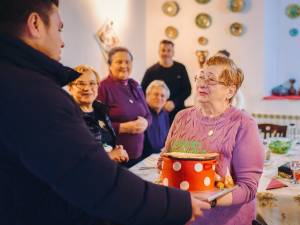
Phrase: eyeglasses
[81,85]
[208,80]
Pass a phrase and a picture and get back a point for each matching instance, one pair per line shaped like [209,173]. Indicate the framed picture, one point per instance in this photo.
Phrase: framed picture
[107,38]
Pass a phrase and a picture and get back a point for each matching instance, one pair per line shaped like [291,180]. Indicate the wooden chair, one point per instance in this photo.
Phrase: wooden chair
[272,130]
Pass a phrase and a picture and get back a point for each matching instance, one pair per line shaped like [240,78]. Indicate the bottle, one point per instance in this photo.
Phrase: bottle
[291,132]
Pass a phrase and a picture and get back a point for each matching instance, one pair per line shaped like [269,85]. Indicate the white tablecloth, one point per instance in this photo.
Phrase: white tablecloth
[277,207]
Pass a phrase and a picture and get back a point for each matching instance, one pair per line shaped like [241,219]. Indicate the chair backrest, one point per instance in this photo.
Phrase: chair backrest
[272,130]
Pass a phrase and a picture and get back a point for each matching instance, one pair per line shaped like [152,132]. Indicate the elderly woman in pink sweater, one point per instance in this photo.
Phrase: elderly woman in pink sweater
[222,128]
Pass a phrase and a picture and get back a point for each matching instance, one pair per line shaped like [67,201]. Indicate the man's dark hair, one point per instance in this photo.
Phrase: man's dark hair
[166,42]
[14,13]
[116,50]
[224,52]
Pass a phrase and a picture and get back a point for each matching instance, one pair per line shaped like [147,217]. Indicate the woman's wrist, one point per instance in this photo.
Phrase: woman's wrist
[213,203]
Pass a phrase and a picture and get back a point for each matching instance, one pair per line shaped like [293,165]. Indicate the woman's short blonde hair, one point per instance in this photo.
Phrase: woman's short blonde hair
[85,68]
[231,75]
[158,83]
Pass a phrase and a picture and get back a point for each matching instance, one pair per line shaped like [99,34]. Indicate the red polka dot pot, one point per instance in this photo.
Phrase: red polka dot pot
[190,172]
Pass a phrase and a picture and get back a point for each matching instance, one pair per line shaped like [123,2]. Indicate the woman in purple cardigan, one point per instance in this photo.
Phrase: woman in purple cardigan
[219,127]
[128,109]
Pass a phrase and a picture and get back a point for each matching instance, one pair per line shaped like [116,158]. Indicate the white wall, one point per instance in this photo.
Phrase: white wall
[83,18]
[281,56]
[266,52]
[256,52]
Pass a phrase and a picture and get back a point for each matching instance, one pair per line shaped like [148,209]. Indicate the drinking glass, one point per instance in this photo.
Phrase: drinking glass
[294,165]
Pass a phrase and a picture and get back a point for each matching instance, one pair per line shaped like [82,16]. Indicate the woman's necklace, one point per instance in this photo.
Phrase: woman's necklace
[210,132]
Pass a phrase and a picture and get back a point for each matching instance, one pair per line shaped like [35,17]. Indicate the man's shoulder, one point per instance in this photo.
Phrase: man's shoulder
[178,65]
[153,67]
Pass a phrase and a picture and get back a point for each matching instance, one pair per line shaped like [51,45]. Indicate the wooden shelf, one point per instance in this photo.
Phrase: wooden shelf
[288,97]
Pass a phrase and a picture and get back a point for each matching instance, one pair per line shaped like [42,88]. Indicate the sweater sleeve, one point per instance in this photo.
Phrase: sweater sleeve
[184,90]
[55,146]
[247,162]
[103,96]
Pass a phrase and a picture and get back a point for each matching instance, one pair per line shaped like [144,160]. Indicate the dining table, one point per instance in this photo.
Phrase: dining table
[279,206]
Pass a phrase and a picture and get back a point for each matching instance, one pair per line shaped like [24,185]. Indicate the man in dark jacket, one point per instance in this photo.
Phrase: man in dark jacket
[51,169]
[174,74]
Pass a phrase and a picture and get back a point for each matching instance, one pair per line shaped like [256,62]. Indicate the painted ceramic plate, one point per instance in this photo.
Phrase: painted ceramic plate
[293,11]
[293,32]
[203,20]
[202,1]
[170,8]
[236,29]
[236,5]
[171,32]
[202,40]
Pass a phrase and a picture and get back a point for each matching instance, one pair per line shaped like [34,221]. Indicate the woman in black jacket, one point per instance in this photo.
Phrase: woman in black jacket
[84,91]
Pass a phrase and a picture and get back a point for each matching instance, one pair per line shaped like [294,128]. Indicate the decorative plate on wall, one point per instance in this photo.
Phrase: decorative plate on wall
[202,1]
[170,8]
[202,40]
[236,29]
[292,11]
[171,32]
[293,32]
[236,5]
[203,20]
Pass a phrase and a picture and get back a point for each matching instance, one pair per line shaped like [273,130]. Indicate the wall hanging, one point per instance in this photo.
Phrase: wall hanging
[171,32]
[170,8]
[236,5]
[203,20]
[236,29]
[292,11]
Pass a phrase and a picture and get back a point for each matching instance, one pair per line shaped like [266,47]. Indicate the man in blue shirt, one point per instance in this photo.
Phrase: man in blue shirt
[157,94]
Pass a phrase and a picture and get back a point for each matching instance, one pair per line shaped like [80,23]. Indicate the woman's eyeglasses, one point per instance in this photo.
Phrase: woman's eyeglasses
[82,85]
[208,80]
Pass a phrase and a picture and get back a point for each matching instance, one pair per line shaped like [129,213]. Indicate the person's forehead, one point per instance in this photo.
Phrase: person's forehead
[121,55]
[158,89]
[213,69]
[55,16]
[86,76]
[166,46]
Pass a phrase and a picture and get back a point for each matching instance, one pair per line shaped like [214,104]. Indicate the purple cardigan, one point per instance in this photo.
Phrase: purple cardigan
[126,102]
[235,137]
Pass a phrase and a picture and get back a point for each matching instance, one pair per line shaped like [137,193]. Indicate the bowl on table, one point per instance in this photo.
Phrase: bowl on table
[280,145]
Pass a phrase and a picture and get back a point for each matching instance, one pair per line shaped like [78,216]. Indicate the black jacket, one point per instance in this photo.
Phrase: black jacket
[100,114]
[51,171]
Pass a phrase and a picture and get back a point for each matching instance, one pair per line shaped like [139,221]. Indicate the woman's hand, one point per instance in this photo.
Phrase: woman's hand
[118,154]
[137,126]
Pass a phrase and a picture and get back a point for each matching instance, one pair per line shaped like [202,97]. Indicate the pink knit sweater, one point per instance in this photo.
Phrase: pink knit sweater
[235,137]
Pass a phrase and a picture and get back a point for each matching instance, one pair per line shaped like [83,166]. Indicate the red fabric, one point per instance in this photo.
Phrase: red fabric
[274,184]
[289,97]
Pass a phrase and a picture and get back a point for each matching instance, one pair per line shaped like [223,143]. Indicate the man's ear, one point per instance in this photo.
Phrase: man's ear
[34,25]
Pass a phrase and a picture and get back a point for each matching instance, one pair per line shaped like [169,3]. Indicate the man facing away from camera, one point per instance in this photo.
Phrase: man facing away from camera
[51,169]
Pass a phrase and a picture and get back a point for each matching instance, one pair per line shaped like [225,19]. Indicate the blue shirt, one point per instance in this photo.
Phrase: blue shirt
[156,134]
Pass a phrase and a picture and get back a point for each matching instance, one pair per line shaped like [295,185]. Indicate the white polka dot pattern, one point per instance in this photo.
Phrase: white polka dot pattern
[184,185]
[176,166]
[206,181]
[165,181]
[198,167]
